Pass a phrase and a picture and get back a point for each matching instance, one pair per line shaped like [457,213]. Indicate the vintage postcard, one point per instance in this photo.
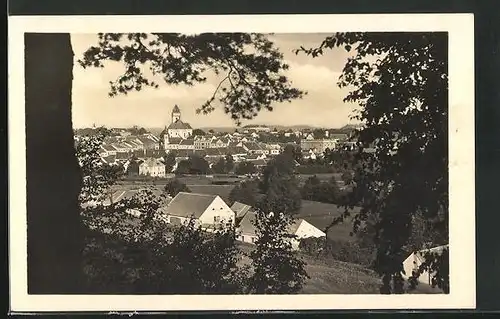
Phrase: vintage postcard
[241,163]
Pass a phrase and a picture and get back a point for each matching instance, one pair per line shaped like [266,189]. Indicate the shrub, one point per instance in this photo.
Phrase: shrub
[347,251]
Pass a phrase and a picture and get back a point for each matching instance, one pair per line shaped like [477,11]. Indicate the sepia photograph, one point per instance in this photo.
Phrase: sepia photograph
[316,164]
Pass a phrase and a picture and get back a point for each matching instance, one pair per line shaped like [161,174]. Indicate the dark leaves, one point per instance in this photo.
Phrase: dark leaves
[400,82]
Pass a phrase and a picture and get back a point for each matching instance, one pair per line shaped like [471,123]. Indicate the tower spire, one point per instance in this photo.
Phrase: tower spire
[176,114]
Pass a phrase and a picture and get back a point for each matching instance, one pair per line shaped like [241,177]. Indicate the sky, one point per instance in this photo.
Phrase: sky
[321,107]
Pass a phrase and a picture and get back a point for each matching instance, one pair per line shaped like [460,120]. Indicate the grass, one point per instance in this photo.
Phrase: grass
[322,214]
[220,190]
[337,277]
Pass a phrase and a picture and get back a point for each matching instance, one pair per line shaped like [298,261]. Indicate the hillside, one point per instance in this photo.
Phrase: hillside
[337,277]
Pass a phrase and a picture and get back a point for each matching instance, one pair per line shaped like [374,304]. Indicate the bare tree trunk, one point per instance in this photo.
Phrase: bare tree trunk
[53,174]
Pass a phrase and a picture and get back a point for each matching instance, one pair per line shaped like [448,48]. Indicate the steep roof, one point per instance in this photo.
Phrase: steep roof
[150,162]
[174,140]
[216,151]
[179,125]
[190,204]
[240,209]
[233,150]
[254,146]
[176,109]
[183,153]
[246,226]
[188,141]
[127,194]
[257,162]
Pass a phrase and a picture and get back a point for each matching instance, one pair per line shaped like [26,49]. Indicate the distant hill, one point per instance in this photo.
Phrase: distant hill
[345,128]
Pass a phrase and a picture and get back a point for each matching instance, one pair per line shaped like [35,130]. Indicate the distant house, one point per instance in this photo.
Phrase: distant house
[172,143]
[208,211]
[274,149]
[119,195]
[259,163]
[413,262]
[201,143]
[238,153]
[253,147]
[108,149]
[218,143]
[186,144]
[149,141]
[255,157]
[318,146]
[246,231]
[217,152]
[152,167]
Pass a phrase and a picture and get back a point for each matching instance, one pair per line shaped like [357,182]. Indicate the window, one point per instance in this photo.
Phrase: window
[216,219]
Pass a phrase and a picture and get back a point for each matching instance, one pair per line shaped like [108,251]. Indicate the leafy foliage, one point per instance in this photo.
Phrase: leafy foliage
[347,251]
[131,249]
[437,264]
[220,166]
[170,161]
[199,132]
[400,81]
[193,165]
[277,268]
[154,257]
[280,186]
[245,192]
[244,168]
[295,151]
[98,177]
[249,67]
[175,186]
[135,130]
[229,163]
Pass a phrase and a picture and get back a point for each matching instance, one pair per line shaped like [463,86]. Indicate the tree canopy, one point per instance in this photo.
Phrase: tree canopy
[175,186]
[400,82]
[249,80]
[280,186]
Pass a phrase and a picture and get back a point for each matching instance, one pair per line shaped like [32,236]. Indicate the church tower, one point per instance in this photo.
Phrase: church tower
[176,114]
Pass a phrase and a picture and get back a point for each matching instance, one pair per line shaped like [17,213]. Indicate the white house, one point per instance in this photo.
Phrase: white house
[414,261]
[274,149]
[152,167]
[303,229]
[208,211]
[246,231]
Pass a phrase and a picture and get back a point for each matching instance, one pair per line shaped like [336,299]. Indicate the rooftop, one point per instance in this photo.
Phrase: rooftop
[190,204]
[179,125]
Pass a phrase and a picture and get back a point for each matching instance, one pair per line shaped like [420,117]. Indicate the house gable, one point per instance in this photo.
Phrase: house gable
[306,230]
[217,211]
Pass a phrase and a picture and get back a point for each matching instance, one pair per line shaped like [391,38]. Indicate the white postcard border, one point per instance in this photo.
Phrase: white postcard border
[461,158]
